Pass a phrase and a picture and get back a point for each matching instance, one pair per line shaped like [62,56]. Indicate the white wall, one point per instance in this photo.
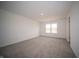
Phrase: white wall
[16,28]
[74,26]
[61,28]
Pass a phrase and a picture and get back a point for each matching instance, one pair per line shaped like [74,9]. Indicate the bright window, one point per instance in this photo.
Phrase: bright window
[51,28]
[54,28]
[47,28]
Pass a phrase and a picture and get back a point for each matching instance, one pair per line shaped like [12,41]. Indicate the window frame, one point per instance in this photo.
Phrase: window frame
[51,28]
[46,29]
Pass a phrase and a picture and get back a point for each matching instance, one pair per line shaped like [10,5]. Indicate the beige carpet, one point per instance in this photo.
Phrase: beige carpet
[40,47]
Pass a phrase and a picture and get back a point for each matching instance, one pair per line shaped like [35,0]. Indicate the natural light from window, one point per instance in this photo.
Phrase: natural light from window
[47,28]
[54,28]
[51,28]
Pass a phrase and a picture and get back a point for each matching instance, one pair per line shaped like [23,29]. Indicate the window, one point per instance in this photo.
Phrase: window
[54,28]
[51,28]
[47,28]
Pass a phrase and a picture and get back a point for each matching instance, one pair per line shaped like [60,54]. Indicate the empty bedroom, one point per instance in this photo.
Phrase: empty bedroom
[39,29]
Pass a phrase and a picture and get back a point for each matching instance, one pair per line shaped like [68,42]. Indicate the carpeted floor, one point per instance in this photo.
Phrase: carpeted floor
[40,47]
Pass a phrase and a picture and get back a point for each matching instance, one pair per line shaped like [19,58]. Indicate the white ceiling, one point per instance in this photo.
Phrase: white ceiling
[33,9]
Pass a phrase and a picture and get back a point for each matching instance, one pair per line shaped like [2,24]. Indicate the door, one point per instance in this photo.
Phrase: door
[69,28]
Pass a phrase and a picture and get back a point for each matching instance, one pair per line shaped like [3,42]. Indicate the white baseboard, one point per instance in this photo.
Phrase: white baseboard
[53,37]
[10,43]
